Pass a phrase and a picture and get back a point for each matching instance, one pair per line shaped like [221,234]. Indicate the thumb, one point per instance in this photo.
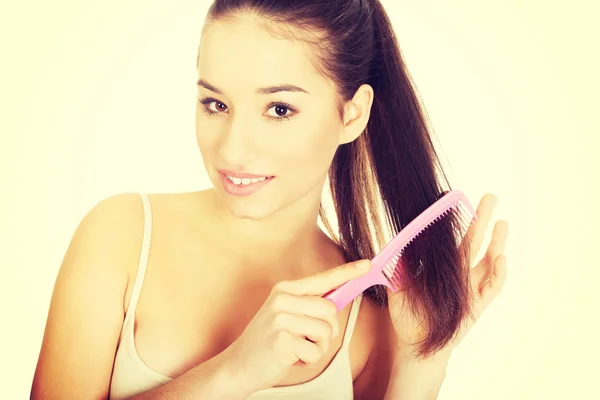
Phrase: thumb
[327,280]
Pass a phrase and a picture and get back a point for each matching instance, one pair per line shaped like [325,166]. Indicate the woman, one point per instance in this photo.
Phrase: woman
[217,294]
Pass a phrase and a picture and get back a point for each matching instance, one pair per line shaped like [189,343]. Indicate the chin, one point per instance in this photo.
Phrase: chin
[254,207]
[253,212]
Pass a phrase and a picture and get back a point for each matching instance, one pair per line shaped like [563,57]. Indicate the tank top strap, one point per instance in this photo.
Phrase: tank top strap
[142,264]
[352,321]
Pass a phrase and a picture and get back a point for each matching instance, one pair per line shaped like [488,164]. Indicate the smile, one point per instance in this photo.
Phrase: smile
[245,181]
[243,184]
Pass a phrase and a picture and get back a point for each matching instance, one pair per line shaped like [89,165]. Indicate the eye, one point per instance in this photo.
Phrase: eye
[282,110]
[207,109]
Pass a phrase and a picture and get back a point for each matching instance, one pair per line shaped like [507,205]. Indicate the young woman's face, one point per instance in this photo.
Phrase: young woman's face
[285,138]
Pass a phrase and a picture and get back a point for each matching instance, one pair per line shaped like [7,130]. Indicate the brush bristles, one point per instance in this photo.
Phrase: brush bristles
[397,265]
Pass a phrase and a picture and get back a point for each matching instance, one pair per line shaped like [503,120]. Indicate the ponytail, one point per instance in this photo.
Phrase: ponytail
[393,166]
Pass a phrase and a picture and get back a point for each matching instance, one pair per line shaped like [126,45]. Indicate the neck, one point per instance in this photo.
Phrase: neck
[289,241]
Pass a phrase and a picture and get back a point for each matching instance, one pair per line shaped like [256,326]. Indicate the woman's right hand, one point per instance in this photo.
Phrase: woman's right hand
[294,326]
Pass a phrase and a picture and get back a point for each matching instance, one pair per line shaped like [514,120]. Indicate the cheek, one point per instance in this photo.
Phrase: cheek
[206,136]
[307,148]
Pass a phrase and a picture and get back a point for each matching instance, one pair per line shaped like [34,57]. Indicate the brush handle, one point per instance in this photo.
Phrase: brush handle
[344,294]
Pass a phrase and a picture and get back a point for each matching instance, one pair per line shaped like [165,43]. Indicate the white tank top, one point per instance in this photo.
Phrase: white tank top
[131,376]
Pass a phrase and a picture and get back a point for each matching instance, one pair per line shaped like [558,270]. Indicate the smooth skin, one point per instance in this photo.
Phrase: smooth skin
[185,305]
[224,272]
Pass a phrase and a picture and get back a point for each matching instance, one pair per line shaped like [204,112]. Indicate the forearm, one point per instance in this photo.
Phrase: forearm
[416,380]
[210,380]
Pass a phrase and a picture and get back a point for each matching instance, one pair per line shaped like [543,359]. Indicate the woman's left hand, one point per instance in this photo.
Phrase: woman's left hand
[487,279]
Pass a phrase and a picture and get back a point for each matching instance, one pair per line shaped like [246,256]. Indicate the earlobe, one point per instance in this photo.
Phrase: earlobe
[356,114]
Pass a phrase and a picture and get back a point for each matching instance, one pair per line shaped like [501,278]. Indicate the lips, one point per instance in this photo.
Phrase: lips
[241,175]
[243,184]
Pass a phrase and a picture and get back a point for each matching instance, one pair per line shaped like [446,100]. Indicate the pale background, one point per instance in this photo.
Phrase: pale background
[98,98]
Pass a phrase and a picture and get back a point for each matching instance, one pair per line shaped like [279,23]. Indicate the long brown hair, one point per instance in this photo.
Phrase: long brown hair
[391,173]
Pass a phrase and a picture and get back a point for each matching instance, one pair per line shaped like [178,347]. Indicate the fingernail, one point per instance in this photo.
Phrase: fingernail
[363,264]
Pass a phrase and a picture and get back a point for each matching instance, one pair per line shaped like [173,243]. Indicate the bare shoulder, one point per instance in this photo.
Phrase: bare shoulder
[107,239]
[109,235]
[86,307]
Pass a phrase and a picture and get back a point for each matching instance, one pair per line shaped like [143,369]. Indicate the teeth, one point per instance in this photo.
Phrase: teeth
[245,181]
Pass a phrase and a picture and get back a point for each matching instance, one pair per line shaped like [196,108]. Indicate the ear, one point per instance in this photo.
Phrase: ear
[356,114]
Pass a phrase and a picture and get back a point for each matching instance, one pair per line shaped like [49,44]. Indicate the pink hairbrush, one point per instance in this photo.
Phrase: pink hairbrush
[386,265]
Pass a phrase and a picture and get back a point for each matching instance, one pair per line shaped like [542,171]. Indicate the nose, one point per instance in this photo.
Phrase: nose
[237,146]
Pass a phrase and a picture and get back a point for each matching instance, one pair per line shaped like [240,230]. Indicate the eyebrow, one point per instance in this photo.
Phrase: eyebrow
[264,90]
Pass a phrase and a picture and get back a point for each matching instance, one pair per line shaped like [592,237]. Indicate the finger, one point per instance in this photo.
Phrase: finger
[315,330]
[498,241]
[494,285]
[290,349]
[476,232]
[314,307]
[325,281]
[482,272]
[307,352]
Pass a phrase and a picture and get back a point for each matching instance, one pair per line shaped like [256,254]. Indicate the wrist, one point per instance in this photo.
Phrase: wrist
[427,367]
[227,383]
[406,357]
[417,378]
